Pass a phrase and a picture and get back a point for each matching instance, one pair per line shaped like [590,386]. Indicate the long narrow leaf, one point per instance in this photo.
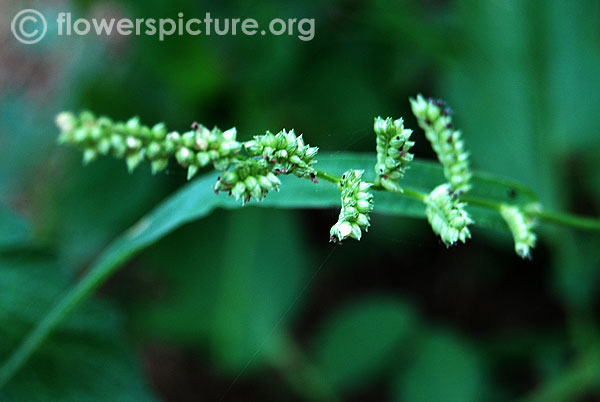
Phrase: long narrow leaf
[197,200]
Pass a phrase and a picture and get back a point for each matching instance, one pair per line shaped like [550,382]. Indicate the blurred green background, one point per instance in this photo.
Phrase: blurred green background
[229,308]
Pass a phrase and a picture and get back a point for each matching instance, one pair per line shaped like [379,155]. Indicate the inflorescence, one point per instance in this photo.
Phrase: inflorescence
[357,203]
[447,215]
[250,169]
[393,145]
[435,118]
[521,227]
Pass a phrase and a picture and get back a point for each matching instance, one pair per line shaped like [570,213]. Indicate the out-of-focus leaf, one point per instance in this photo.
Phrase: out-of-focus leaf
[361,340]
[445,369]
[497,90]
[86,359]
[573,65]
[228,291]
[13,229]
[96,204]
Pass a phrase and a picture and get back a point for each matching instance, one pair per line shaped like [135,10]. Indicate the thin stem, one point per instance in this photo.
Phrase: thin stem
[569,220]
[328,176]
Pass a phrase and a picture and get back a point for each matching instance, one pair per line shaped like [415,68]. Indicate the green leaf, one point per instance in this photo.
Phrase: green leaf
[445,369]
[228,287]
[86,359]
[361,340]
[197,200]
[90,209]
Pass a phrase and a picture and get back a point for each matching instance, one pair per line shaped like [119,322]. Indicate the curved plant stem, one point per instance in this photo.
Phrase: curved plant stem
[569,220]
[328,177]
[114,257]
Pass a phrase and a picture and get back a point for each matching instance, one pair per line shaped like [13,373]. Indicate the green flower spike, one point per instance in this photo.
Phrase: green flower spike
[447,216]
[393,154]
[101,136]
[286,151]
[357,203]
[521,227]
[435,119]
[136,143]
[249,178]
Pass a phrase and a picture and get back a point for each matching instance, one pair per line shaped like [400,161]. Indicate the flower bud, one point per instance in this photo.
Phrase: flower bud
[192,170]
[158,165]
[265,183]
[250,182]
[89,155]
[133,160]
[184,156]
[153,150]
[340,231]
[159,131]
[238,190]
[202,158]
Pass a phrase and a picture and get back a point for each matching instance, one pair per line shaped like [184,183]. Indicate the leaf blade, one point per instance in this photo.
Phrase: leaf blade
[196,200]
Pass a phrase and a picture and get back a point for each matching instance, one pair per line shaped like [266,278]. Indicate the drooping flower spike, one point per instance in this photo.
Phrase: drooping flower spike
[520,226]
[357,203]
[447,215]
[435,118]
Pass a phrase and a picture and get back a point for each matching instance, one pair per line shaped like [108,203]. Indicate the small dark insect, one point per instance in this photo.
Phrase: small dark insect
[512,193]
